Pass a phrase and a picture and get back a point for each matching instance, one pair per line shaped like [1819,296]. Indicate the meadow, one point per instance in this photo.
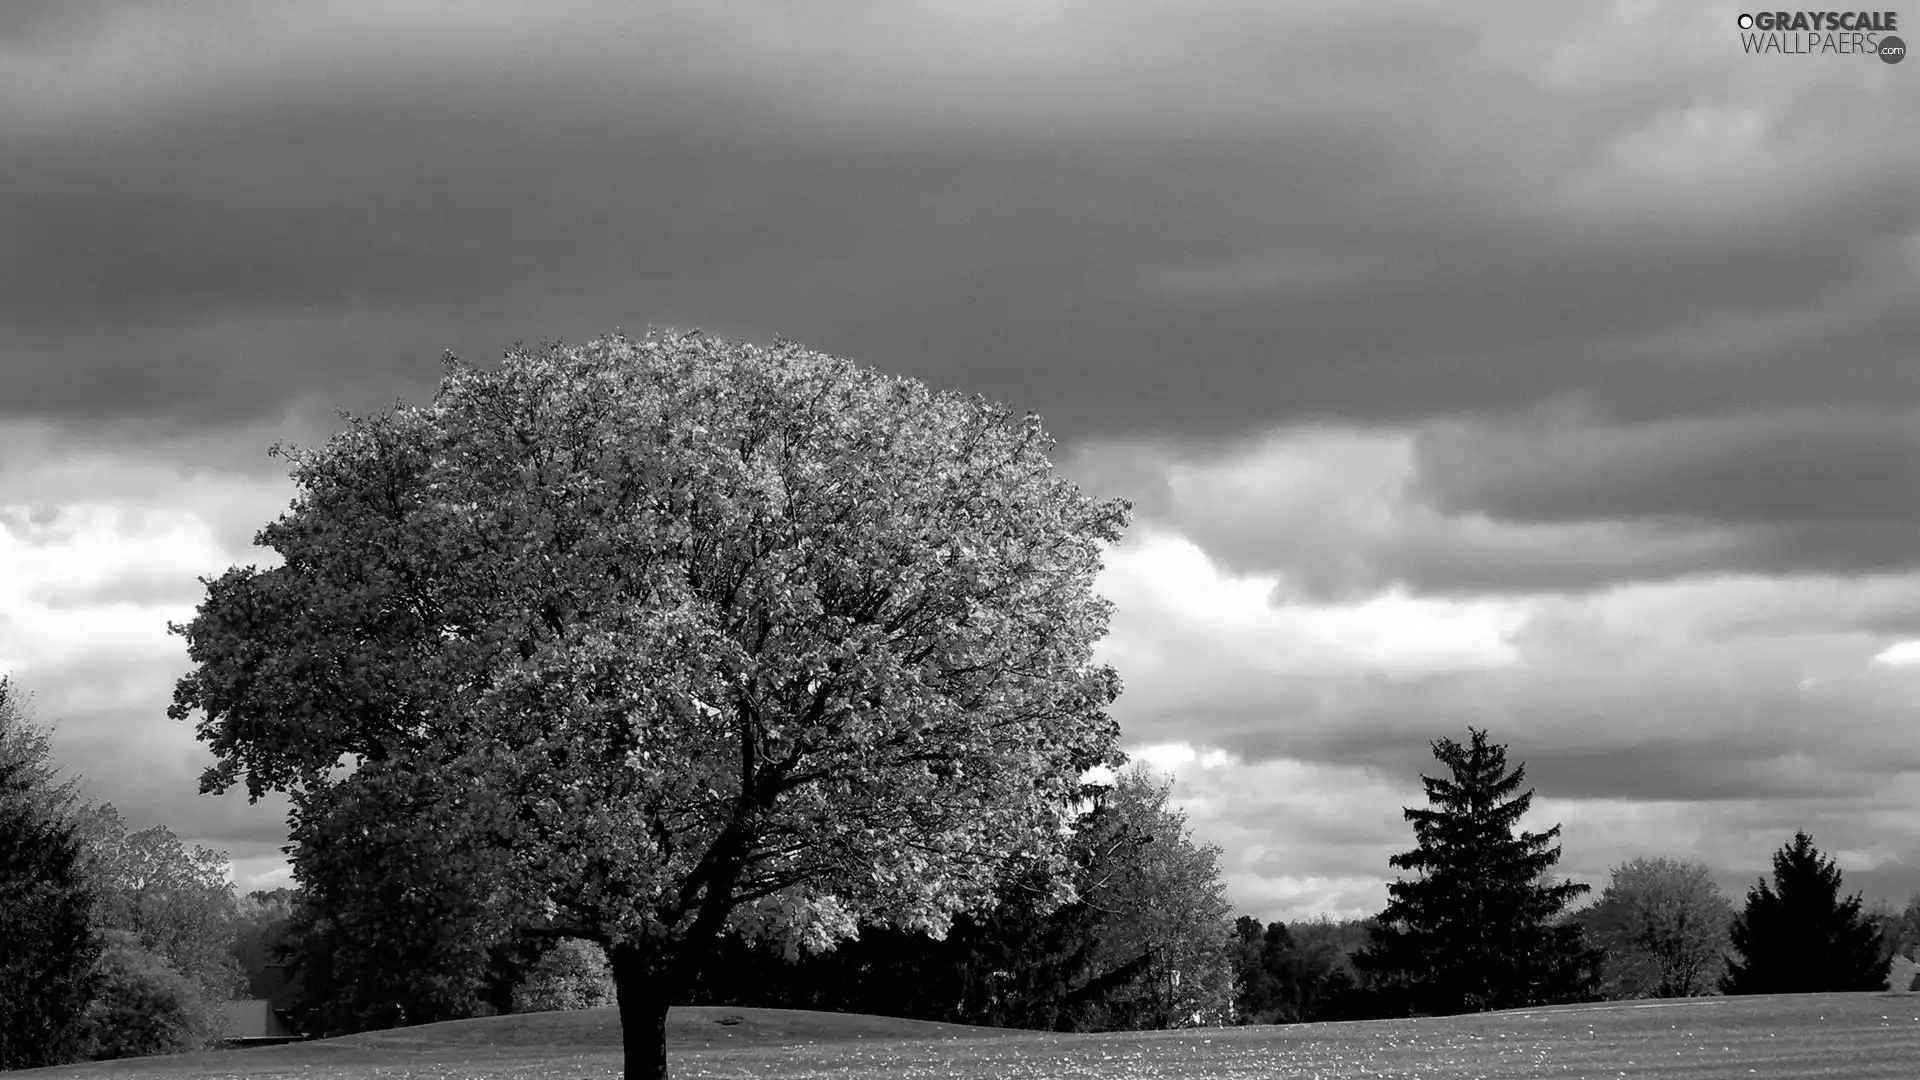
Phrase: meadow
[1862,1036]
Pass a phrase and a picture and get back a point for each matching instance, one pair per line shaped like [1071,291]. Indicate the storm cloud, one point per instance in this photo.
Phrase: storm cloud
[1544,369]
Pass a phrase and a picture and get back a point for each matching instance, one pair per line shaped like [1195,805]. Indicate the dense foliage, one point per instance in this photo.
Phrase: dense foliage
[386,931]
[175,901]
[1479,926]
[640,640]
[48,946]
[47,943]
[145,1006]
[1798,936]
[1147,903]
[1663,925]
[1899,928]
[1166,909]
[261,920]
[572,975]
[1264,990]
[1300,972]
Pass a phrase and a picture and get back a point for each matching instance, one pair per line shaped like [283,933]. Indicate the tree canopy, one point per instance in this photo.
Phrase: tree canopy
[29,746]
[259,934]
[648,638]
[385,931]
[1165,909]
[1142,946]
[1899,929]
[1798,936]
[1302,972]
[1262,991]
[47,943]
[1663,924]
[174,901]
[145,1006]
[1478,927]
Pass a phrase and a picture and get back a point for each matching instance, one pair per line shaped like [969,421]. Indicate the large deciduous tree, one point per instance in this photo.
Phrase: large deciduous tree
[1798,936]
[641,639]
[1663,924]
[1478,927]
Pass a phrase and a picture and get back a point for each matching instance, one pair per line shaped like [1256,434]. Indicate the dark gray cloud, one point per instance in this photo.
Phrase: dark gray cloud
[148,767]
[1732,689]
[1859,466]
[1581,747]
[1820,490]
[1550,499]
[1131,222]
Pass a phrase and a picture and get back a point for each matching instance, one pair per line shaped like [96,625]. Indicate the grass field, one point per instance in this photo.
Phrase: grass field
[1823,1035]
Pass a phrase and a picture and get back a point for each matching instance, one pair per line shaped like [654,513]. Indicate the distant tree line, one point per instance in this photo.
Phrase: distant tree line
[117,943]
[1482,925]
[1143,944]
[112,943]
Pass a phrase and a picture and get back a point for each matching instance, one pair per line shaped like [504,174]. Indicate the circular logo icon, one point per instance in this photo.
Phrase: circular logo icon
[1746,22]
[1892,50]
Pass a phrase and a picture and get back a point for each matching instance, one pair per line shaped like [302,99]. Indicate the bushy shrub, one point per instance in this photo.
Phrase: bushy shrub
[573,975]
[144,1007]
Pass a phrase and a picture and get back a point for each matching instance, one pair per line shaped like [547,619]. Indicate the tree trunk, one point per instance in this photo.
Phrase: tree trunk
[644,991]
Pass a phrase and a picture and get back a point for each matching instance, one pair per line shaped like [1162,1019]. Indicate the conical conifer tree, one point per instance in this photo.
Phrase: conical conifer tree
[47,944]
[1477,926]
[1799,936]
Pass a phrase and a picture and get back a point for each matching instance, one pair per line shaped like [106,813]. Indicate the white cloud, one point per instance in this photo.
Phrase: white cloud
[261,873]
[1166,589]
[1899,654]
[1163,757]
[1297,838]
[1676,710]
[98,552]
[1864,858]
[91,589]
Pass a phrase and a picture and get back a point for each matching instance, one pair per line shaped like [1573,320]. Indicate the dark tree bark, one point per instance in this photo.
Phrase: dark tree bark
[643,986]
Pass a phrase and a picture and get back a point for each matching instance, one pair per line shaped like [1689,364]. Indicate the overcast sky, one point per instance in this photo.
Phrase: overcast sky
[1549,368]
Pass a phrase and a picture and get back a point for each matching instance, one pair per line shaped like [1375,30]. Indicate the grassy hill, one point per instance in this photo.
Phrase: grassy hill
[526,1039]
[1858,1036]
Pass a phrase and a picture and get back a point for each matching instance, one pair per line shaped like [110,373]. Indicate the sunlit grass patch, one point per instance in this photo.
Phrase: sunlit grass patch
[1864,1036]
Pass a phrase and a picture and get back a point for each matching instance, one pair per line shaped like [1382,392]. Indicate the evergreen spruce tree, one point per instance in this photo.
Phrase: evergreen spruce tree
[1478,927]
[47,943]
[1799,936]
